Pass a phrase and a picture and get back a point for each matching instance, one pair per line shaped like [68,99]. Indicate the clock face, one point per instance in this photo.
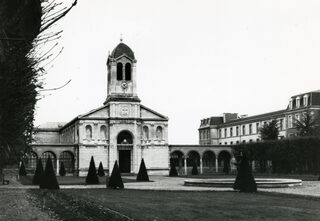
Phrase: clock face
[124,85]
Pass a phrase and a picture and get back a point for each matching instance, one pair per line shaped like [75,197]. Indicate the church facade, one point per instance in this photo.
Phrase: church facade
[121,130]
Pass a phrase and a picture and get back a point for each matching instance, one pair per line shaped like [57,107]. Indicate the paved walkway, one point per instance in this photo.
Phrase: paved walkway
[308,188]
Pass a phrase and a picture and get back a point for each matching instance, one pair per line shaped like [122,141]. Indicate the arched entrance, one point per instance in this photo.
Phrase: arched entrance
[44,158]
[125,146]
[176,159]
[67,158]
[224,161]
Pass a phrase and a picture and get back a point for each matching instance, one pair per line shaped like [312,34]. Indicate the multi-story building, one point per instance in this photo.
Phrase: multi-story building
[231,128]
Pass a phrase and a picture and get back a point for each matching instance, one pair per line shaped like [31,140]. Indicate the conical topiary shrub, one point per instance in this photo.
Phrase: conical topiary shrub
[22,169]
[62,170]
[38,174]
[92,177]
[173,171]
[142,174]
[49,179]
[115,180]
[100,170]
[194,169]
[245,181]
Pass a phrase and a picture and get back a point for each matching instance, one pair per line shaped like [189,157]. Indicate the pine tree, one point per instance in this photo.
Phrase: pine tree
[115,180]
[245,181]
[92,177]
[194,169]
[22,170]
[38,174]
[62,170]
[173,171]
[49,179]
[100,170]
[142,174]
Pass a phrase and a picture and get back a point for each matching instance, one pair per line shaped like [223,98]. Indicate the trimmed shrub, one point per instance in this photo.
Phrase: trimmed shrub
[115,180]
[100,170]
[92,177]
[38,174]
[194,169]
[173,171]
[142,174]
[62,170]
[22,169]
[49,179]
[245,181]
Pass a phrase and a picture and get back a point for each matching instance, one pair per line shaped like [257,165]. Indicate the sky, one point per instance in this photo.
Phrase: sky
[195,59]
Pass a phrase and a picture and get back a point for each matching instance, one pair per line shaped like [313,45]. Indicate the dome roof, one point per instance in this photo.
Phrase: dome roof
[122,49]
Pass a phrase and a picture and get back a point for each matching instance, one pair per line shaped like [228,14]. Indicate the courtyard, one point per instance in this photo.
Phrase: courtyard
[165,198]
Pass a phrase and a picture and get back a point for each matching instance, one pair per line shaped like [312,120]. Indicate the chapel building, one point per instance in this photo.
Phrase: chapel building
[121,130]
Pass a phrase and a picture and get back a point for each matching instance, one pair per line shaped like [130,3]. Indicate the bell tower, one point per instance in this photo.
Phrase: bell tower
[122,85]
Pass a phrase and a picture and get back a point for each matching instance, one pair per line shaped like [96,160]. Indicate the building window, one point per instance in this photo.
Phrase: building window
[289,121]
[258,139]
[237,142]
[297,117]
[243,129]
[231,143]
[225,143]
[88,132]
[208,134]
[128,72]
[231,131]
[243,141]
[159,133]
[305,100]
[237,131]
[225,132]
[297,102]
[119,71]
[281,124]
[103,132]
[250,141]
[250,128]
[220,133]
[257,127]
[291,104]
[146,133]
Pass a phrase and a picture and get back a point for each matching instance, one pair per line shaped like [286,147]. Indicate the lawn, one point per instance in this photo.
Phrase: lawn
[176,205]
[70,180]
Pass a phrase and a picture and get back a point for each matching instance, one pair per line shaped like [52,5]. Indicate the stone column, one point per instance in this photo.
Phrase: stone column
[201,166]
[58,165]
[185,166]
[217,164]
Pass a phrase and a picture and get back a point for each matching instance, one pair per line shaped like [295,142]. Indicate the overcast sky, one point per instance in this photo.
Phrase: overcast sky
[195,59]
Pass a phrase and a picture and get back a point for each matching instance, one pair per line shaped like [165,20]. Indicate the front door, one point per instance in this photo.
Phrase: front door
[124,161]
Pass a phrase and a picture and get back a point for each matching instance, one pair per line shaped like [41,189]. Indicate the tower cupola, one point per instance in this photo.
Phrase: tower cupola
[122,74]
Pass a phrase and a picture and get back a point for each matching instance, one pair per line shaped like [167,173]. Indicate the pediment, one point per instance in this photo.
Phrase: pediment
[147,113]
[101,112]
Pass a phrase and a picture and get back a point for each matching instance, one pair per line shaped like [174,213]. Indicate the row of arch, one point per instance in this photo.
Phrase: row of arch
[65,157]
[146,133]
[103,132]
[127,72]
[208,159]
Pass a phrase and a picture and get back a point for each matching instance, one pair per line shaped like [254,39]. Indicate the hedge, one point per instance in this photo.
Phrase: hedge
[294,155]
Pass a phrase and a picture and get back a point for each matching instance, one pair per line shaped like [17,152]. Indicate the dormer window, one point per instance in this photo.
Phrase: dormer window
[119,71]
[297,102]
[291,103]
[305,100]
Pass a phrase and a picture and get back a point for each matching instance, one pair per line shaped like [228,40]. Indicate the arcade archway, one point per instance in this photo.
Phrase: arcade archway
[125,147]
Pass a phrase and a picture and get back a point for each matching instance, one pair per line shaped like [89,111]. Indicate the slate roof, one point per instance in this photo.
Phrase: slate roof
[122,49]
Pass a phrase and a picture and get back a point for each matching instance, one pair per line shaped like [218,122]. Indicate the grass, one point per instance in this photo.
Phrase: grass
[70,180]
[175,205]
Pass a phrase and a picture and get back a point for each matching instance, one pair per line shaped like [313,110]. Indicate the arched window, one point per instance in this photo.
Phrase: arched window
[145,133]
[88,131]
[119,71]
[159,133]
[67,159]
[44,159]
[128,71]
[32,160]
[103,132]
